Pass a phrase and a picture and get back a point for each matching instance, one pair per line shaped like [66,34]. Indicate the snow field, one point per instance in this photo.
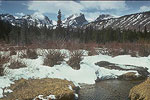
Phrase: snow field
[87,73]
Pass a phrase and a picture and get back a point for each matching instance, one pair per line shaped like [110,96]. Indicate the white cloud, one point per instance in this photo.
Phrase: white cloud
[71,7]
[67,7]
[144,8]
[20,14]
[105,5]
[38,15]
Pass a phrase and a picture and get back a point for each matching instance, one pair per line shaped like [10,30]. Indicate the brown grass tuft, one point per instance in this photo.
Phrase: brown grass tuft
[76,57]
[29,89]
[141,91]
[53,57]
[3,60]
[30,53]
[13,52]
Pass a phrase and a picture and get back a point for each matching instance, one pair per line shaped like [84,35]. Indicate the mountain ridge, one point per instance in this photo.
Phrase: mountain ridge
[136,21]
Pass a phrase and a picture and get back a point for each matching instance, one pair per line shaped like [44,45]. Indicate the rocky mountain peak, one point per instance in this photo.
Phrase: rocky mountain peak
[104,17]
[40,20]
[75,20]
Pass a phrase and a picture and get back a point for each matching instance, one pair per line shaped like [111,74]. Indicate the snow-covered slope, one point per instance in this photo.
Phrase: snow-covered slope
[75,20]
[88,72]
[35,19]
[136,21]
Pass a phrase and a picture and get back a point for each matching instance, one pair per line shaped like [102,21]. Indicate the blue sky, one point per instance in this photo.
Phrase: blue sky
[91,9]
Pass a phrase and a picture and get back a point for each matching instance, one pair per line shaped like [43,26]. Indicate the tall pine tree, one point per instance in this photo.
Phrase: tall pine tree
[59,22]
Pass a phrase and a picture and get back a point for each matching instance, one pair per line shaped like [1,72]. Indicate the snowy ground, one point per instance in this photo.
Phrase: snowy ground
[88,72]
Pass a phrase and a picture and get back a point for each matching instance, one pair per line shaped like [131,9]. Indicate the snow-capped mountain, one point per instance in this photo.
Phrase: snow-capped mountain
[136,21]
[37,20]
[104,17]
[7,17]
[75,20]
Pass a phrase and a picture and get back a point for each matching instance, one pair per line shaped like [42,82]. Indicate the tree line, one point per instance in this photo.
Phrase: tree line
[25,34]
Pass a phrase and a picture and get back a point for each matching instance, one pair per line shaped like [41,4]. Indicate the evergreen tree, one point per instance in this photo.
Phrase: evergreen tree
[59,22]
[145,32]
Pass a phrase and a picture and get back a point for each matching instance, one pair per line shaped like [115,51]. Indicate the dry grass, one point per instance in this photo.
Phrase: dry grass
[133,49]
[92,52]
[29,89]
[139,48]
[15,64]
[3,60]
[141,91]
[74,61]
[53,57]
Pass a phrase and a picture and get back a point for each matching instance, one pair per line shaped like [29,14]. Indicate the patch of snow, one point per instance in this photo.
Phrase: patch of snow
[54,22]
[70,87]
[41,97]
[76,96]
[143,21]
[51,97]
[4,82]
[8,90]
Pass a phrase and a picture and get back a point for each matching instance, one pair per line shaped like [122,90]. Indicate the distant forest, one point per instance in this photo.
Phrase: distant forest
[25,34]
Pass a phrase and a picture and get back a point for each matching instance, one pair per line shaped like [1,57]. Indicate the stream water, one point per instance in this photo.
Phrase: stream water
[107,90]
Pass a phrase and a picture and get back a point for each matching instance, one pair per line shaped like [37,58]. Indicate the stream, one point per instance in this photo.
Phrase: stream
[107,90]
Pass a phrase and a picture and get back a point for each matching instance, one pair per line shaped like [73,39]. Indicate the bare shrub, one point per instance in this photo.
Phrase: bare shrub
[1,70]
[3,60]
[15,64]
[144,50]
[92,52]
[30,53]
[103,51]
[91,48]
[74,61]
[22,54]
[89,45]
[53,57]
[13,52]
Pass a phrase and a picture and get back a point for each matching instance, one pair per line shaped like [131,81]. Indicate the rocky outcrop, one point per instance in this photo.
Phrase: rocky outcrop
[35,88]
[141,91]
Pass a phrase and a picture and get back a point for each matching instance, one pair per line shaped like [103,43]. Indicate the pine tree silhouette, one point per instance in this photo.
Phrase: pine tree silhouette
[59,22]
